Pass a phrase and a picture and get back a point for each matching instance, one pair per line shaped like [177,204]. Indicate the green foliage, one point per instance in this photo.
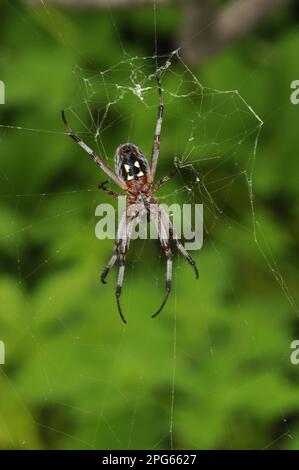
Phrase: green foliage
[74,376]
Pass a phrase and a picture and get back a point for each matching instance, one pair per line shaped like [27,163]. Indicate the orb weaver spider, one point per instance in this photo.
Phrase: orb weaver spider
[134,175]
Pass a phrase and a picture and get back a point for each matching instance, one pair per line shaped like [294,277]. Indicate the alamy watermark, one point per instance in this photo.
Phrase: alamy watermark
[294,97]
[294,357]
[2,92]
[2,353]
[151,221]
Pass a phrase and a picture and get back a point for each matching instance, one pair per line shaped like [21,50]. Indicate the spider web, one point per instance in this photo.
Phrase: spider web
[88,396]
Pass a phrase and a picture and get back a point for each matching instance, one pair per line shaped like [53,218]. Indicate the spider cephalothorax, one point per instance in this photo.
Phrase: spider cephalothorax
[135,176]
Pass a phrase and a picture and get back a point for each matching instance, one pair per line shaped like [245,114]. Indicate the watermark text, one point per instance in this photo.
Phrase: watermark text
[2,353]
[2,92]
[151,221]
[294,97]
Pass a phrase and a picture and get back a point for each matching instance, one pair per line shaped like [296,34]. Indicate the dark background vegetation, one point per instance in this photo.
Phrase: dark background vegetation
[213,371]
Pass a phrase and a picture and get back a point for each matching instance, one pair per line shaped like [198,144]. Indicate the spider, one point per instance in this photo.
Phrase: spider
[134,175]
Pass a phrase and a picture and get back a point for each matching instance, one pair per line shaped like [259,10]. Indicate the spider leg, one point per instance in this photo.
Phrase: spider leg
[120,282]
[156,144]
[169,257]
[173,234]
[92,154]
[164,180]
[163,235]
[102,186]
[122,264]
[183,251]
[119,236]
[111,262]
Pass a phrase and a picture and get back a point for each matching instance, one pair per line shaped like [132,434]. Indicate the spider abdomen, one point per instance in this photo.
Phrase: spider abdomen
[131,164]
